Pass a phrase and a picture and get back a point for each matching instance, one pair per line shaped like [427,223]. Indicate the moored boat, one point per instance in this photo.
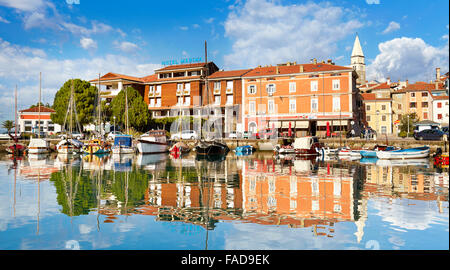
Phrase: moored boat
[417,152]
[349,153]
[123,144]
[97,146]
[373,152]
[38,146]
[211,148]
[152,142]
[283,149]
[307,146]
[69,146]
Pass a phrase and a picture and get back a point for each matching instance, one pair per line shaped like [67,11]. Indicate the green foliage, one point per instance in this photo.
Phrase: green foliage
[138,114]
[42,105]
[8,125]
[85,98]
[404,122]
[162,123]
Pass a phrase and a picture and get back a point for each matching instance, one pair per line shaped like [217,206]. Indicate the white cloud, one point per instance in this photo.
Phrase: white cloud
[195,26]
[3,20]
[97,28]
[407,58]
[268,33]
[23,5]
[126,47]
[88,43]
[373,2]
[209,20]
[184,28]
[393,26]
[21,65]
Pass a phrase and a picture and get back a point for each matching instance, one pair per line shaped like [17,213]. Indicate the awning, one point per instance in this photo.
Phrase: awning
[286,124]
[342,122]
[302,124]
[276,124]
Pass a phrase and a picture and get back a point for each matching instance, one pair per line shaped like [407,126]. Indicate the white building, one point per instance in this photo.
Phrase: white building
[441,110]
[28,120]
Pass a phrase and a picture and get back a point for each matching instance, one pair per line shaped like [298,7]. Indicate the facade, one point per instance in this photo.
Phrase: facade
[302,97]
[28,121]
[113,83]
[441,110]
[378,111]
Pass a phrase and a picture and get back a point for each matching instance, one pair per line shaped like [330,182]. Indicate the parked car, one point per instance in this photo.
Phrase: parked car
[429,134]
[112,135]
[77,135]
[185,135]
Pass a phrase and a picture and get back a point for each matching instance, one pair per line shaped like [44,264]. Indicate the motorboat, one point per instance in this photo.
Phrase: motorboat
[327,151]
[211,148]
[284,149]
[373,153]
[97,147]
[244,149]
[307,146]
[152,142]
[38,146]
[346,152]
[417,152]
[123,144]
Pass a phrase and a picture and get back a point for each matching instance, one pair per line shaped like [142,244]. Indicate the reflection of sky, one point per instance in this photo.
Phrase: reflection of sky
[392,223]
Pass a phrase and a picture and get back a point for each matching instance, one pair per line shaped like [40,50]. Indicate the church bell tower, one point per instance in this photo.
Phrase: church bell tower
[357,61]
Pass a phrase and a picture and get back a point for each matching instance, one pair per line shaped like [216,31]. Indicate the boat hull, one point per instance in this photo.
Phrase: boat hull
[147,147]
[123,150]
[413,153]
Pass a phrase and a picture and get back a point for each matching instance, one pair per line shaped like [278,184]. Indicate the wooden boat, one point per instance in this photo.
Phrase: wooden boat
[417,152]
[211,148]
[97,147]
[327,151]
[152,142]
[38,146]
[69,146]
[373,153]
[348,153]
[307,146]
[123,144]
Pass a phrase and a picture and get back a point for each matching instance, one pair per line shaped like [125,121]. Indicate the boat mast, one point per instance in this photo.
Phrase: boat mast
[71,108]
[126,110]
[99,107]
[15,113]
[39,104]
[206,80]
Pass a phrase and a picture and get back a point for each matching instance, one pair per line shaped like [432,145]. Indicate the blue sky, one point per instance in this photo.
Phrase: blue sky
[400,39]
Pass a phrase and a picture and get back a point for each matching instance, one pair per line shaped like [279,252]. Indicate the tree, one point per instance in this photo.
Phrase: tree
[85,98]
[8,125]
[405,123]
[138,115]
[42,105]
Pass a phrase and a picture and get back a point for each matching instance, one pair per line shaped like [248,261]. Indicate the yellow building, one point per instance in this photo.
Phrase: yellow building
[378,111]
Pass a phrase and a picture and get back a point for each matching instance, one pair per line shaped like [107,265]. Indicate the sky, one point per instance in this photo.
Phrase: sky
[67,39]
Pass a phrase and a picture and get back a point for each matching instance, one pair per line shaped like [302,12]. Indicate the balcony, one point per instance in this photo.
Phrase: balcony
[151,94]
[179,92]
[158,93]
[216,91]
[229,91]
[187,92]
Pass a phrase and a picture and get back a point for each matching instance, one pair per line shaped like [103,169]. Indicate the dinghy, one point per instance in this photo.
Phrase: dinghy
[373,153]
[417,152]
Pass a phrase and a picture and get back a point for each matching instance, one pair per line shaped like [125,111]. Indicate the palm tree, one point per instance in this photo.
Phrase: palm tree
[8,125]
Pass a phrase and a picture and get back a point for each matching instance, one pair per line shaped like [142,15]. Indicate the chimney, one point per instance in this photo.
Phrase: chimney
[301,69]
[388,81]
[277,71]
[329,61]
[438,74]
[315,61]
[436,85]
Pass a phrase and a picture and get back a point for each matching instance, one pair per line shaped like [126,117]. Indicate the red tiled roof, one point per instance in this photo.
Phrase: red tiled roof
[114,76]
[422,86]
[183,66]
[441,97]
[382,86]
[228,73]
[36,109]
[150,78]
[372,96]
[293,69]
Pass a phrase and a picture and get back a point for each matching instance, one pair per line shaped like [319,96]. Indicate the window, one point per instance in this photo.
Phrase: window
[425,104]
[252,107]
[368,118]
[229,84]
[158,89]
[217,100]
[270,89]
[383,129]
[412,104]
[367,107]
[292,105]
[314,104]
[336,84]
[151,90]
[383,118]
[439,105]
[439,116]
[252,89]
[152,102]
[425,115]
[424,94]
[336,103]
[399,106]
[413,94]
[383,107]
[187,86]
[229,99]
[27,122]
[314,85]
[180,101]
[217,85]
[292,87]
[158,102]
[179,86]
[187,101]
[270,106]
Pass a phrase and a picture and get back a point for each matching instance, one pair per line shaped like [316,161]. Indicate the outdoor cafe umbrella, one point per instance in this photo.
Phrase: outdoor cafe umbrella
[290,130]
[328,129]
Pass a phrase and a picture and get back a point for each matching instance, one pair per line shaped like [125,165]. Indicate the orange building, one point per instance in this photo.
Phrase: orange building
[28,120]
[305,97]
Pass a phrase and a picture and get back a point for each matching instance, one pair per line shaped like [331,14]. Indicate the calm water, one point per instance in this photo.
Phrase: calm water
[254,202]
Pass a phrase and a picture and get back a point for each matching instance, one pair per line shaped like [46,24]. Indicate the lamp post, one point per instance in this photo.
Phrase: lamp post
[407,134]
[114,128]
[378,121]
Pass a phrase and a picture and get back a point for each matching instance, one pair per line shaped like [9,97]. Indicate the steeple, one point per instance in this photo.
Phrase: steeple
[357,61]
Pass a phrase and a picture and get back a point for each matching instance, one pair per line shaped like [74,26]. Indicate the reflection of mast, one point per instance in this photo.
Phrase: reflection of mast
[15,177]
[39,199]
[361,222]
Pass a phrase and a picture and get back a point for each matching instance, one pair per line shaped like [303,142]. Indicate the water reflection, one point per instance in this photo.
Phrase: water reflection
[311,196]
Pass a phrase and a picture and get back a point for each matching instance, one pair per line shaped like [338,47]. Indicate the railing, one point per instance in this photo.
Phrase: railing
[179,92]
[229,91]
[216,91]
[187,91]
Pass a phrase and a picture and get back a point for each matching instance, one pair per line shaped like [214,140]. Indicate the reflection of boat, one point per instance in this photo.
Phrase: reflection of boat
[151,161]
[212,158]
[248,149]
[348,153]
[283,149]
[307,146]
[123,144]
[403,162]
[152,142]
[417,152]
[368,160]
[373,152]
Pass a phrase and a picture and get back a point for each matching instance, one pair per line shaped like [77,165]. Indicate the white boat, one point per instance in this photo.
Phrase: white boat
[283,150]
[417,152]
[123,144]
[69,146]
[327,151]
[349,153]
[423,162]
[152,142]
[38,146]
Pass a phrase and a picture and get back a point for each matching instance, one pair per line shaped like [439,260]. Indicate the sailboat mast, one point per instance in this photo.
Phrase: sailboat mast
[98,105]
[15,113]
[71,108]
[39,105]
[126,110]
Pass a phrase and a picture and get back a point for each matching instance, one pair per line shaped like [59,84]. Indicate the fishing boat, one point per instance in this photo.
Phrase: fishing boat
[417,152]
[179,148]
[307,146]
[123,144]
[69,146]
[211,148]
[152,142]
[373,152]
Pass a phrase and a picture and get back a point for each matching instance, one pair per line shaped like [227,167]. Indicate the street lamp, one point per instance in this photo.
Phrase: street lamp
[114,128]
[407,134]
[378,121]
